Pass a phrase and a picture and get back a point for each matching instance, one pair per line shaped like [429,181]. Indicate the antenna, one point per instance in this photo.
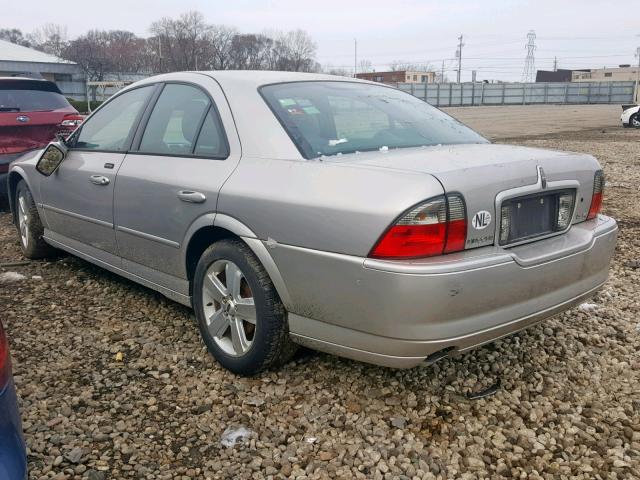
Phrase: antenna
[529,72]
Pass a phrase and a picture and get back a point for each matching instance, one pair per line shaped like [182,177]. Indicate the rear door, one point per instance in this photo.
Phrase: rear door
[78,197]
[179,160]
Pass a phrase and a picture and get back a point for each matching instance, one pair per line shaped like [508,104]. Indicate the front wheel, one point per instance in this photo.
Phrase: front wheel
[634,121]
[29,225]
[240,315]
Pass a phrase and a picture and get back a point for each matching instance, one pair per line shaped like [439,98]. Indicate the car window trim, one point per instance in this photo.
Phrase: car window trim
[134,126]
[135,148]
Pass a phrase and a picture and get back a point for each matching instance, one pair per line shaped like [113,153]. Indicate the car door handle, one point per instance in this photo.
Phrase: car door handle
[99,180]
[190,196]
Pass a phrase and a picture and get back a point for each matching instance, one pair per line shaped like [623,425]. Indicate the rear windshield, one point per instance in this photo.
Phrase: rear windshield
[30,96]
[331,118]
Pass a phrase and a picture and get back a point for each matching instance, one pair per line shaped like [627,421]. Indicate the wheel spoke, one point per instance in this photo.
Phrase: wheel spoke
[214,287]
[23,207]
[238,337]
[246,310]
[234,276]
[218,323]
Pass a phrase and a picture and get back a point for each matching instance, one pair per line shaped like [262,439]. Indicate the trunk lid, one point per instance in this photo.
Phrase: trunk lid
[482,173]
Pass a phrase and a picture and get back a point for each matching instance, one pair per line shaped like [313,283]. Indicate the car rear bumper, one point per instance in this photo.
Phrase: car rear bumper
[13,454]
[398,313]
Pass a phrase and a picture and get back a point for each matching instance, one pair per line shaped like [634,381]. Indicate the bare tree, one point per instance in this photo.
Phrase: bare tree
[221,38]
[339,71]
[14,35]
[183,43]
[294,51]
[401,65]
[49,38]
[365,66]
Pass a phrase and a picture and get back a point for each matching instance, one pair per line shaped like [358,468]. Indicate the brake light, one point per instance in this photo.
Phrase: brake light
[71,120]
[434,227]
[5,364]
[596,199]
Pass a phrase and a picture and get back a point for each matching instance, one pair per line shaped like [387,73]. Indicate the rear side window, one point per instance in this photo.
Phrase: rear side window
[110,127]
[30,96]
[176,120]
[211,141]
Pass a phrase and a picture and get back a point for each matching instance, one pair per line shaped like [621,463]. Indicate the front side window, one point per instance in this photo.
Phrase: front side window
[330,118]
[110,127]
[175,121]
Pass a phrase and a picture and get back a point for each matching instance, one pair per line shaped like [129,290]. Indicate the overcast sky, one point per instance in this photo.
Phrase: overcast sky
[581,33]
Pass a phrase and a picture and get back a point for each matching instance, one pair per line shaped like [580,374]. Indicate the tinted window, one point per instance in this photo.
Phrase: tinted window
[329,118]
[173,125]
[211,141]
[109,127]
[30,96]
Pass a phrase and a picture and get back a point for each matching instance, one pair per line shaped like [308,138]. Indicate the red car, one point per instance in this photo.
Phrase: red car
[32,112]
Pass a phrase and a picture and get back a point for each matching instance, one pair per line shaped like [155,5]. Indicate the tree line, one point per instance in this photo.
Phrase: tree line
[184,43]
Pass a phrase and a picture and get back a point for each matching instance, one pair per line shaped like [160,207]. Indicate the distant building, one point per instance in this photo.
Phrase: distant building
[401,76]
[554,75]
[16,60]
[623,73]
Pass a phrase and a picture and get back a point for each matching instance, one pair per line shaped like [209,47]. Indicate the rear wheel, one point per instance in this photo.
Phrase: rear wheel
[29,225]
[240,315]
[634,121]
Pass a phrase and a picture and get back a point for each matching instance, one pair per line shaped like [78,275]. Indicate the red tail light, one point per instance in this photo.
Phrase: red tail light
[434,227]
[5,364]
[598,191]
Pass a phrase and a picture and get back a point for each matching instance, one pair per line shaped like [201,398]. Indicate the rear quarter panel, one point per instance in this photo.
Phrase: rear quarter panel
[331,207]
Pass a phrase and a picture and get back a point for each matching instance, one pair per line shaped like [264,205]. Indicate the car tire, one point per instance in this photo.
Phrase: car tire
[228,280]
[30,229]
[634,120]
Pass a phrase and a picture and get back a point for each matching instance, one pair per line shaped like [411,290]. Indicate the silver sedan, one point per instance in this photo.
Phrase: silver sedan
[299,209]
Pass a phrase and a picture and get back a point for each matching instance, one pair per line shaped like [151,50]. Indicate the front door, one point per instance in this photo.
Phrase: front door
[172,176]
[78,198]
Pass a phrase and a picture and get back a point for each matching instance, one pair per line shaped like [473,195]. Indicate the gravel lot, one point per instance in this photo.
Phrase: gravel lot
[115,382]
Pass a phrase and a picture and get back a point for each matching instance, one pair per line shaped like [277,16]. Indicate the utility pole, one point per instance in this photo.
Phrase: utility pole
[528,74]
[355,56]
[442,73]
[638,76]
[555,64]
[459,56]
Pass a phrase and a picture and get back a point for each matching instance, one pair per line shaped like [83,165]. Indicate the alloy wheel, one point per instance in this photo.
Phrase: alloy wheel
[229,307]
[23,220]
[635,121]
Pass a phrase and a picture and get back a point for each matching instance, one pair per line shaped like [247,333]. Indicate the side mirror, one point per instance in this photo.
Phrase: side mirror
[51,158]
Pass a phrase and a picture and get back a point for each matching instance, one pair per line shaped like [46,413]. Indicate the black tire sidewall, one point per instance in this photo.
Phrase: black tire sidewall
[254,360]
[635,116]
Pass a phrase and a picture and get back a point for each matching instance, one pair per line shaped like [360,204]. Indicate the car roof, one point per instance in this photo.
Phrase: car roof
[249,79]
[265,77]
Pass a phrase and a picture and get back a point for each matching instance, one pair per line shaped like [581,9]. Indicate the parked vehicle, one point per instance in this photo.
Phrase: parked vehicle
[339,214]
[630,116]
[32,113]
[13,454]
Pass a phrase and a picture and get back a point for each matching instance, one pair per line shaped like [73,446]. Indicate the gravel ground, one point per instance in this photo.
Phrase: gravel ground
[115,382]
